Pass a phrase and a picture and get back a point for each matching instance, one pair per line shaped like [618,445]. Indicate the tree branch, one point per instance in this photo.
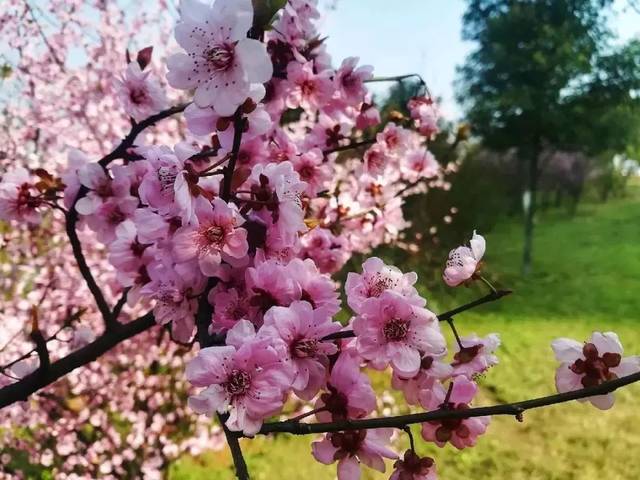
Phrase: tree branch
[515,409]
[352,145]
[20,390]
[71,217]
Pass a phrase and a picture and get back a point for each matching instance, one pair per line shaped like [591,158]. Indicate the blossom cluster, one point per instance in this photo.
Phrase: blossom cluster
[230,236]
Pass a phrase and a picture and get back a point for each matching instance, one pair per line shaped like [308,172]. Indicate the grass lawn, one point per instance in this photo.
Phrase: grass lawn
[587,277]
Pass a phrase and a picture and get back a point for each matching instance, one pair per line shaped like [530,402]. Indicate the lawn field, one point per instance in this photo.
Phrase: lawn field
[587,277]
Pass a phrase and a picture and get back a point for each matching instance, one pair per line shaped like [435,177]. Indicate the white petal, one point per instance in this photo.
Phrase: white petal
[566,349]
[478,245]
[255,60]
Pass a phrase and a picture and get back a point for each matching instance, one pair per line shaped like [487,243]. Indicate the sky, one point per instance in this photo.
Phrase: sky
[419,36]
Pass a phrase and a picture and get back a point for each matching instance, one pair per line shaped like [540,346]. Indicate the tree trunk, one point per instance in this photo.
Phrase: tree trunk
[529,204]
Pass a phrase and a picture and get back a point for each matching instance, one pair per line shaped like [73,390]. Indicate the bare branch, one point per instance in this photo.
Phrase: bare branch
[20,390]
[514,409]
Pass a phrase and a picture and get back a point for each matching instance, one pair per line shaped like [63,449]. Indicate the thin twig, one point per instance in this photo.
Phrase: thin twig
[22,389]
[350,146]
[514,409]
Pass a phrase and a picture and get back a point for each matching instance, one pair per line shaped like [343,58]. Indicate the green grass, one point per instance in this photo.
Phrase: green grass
[586,277]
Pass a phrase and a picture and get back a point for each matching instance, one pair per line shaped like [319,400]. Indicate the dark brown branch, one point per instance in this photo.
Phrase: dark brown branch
[242,473]
[110,318]
[350,146]
[67,323]
[235,151]
[20,390]
[443,317]
[120,304]
[514,409]
[491,297]
[76,246]
[41,350]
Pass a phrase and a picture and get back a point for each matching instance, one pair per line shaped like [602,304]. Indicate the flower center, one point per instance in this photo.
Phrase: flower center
[238,382]
[215,234]
[379,284]
[305,348]
[220,57]
[138,96]
[347,443]
[594,367]
[395,330]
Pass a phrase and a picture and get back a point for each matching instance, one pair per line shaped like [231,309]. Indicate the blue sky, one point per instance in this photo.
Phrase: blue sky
[419,36]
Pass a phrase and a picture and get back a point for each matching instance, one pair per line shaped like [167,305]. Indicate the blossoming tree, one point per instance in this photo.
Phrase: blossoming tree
[228,240]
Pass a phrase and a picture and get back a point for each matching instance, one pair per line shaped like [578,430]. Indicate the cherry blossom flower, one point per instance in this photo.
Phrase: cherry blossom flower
[349,394]
[230,306]
[218,235]
[19,199]
[314,287]
[463,262]
[220,62]
[350,80]
[101,188]
[392,330]
[301,328]
[462,432]
[376,278]
[592,363]
[246,378]
[413,467]
[476,356]
[432,369]
[426,115]
[352,448]
[139,93]
[307,88]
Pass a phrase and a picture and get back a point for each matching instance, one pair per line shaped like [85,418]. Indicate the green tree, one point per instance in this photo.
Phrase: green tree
[544,75]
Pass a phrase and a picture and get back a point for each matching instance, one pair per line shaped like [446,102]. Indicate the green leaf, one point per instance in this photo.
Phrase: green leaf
[264,11]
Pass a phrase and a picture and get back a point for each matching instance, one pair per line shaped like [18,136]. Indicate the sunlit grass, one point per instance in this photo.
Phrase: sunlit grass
[587,277]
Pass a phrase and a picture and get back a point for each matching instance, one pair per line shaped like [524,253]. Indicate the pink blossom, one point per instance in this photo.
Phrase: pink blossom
[246,378]
[76,160]
[369,116]
[109,215]
[314,287]
[592,363]
[101,188]
[432,369]
[426,115]
[463,262]
[230,306]
[269,284]
[350,80]
[19,199]
[376,278]
[217,236]
[276,189]
[392,330]
[301,328]
[312,170]
[413,467]
[174,290]
[308,90]
[139,93]
[220,62]
[419,163]
[349,394]
[462,432]
[352,448]
[476,356]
